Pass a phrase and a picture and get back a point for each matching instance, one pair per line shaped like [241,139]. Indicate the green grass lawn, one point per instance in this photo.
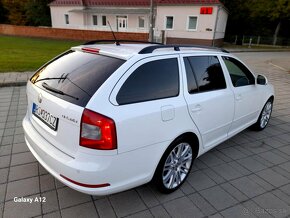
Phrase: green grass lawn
[18,54]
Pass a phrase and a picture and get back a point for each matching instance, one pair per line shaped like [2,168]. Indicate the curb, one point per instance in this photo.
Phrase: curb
[10,84]
[9,79]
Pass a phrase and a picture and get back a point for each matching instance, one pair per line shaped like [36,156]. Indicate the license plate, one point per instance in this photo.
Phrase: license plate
[46,117]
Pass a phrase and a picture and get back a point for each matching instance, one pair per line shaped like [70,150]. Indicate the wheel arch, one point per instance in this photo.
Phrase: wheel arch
[272,97]
[190,137]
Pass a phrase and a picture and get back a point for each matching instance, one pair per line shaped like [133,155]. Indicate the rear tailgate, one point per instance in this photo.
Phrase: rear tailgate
[59,91]
[58,121]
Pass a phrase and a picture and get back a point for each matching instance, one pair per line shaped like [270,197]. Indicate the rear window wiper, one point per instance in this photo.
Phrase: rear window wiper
[48,87]
[62,78]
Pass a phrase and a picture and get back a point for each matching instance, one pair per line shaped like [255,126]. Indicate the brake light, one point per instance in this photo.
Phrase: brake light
[91,50]
[97,131]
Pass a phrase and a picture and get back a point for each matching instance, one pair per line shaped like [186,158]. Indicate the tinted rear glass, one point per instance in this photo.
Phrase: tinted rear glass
[82,73]
[208,72]
[153,80]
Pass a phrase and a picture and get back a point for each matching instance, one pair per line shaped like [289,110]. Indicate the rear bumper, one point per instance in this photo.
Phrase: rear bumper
[122,171]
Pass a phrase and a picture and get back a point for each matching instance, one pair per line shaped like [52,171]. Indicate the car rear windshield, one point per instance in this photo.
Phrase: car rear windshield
[75,76]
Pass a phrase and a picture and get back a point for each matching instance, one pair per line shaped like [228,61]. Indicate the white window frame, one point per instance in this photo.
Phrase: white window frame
[66,19]
[144,22]
[187,23]
[98,20]
[165,22]
[122,15]
[102,20]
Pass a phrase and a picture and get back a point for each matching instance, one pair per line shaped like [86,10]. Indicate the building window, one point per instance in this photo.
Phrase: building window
[169,22]
[95,20]
[192,23]
[104,20]
[122,23]
[66,18]
[141,22]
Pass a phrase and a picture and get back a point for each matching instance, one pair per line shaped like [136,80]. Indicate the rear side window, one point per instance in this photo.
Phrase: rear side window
[153,80]
[207,72]
[77,74]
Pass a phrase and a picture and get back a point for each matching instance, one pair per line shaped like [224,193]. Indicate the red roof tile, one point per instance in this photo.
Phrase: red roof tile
[183,2]
[131,2]
[117,2]
[67,2]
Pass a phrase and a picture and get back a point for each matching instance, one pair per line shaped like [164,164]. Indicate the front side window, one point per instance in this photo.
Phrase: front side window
[104,20]
[169,22]
[207,73]
[239,73]
[153,80]
[95,20]
[192,23]
[141,22]
[66,18]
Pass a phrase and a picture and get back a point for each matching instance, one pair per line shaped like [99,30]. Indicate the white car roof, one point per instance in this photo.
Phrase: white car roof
[126,51]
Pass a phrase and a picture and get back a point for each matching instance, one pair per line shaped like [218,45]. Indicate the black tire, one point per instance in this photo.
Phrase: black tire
[263,121]
[179,168]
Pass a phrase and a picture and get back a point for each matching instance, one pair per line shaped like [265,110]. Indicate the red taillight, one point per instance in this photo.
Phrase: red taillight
[91,50]
[97,131]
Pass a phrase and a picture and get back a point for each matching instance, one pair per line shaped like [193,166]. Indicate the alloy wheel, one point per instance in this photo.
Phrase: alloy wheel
[265,117]
[177,165]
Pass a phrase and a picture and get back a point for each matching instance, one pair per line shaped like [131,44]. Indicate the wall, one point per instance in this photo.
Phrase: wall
[72,34]
[131,27]
[80,20]
[76,20]
[180,14]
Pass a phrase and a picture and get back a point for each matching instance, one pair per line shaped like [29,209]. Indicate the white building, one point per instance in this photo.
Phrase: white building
[187,21]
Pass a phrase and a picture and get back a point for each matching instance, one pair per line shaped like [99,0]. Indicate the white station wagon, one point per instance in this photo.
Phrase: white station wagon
[103,118]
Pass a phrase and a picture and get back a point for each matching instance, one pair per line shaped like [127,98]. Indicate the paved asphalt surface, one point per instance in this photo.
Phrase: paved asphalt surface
[246,176]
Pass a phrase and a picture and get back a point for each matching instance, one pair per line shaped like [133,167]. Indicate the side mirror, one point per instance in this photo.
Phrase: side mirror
[262,80]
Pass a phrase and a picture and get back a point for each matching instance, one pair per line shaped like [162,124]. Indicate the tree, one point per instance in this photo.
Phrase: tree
[38,13]
[275,10]
[3,13]
[16,11]
[27,12]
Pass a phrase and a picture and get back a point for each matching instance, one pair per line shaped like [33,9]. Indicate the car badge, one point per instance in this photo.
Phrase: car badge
[40,98]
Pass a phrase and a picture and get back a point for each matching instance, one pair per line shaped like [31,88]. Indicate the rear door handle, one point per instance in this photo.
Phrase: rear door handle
[197,108]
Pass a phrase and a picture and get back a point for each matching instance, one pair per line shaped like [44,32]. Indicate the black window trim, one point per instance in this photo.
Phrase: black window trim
[194,74]
[123,78]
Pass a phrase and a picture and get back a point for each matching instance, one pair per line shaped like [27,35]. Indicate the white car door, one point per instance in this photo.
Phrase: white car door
[151,108]
[210,100]
[247,101]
